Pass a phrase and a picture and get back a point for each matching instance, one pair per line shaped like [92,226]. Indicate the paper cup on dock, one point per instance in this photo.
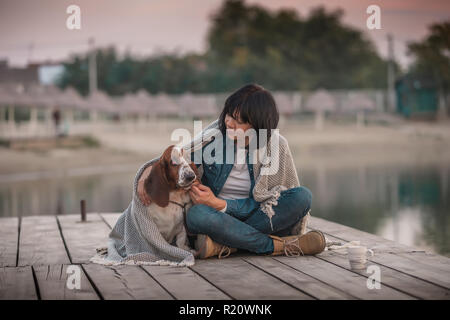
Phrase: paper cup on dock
[357,257]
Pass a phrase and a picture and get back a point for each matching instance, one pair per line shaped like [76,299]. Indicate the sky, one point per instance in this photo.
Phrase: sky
[36,30]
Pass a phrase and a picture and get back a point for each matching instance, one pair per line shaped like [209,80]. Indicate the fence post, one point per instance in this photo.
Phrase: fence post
[83,210]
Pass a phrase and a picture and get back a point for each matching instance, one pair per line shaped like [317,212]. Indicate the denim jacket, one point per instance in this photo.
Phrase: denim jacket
[215,175]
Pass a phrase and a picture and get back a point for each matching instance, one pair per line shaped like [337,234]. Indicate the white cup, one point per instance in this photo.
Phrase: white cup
[357,257]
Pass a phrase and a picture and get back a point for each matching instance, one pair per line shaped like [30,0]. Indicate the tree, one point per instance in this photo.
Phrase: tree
[286,52]
[248,43]
[432,57]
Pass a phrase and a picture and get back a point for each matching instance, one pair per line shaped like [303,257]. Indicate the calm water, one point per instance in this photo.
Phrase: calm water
[409,205]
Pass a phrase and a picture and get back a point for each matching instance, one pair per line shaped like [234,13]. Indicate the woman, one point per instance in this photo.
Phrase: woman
[227,214]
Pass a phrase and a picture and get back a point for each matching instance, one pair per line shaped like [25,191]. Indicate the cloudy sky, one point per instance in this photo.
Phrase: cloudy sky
[36,30]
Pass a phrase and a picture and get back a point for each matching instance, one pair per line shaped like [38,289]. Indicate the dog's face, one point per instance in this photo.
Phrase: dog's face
[171,172]
[180,170]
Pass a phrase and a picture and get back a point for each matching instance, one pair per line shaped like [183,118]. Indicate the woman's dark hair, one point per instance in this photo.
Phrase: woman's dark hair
[254,105]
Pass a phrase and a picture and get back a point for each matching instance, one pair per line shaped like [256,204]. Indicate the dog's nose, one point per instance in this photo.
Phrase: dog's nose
[190,176]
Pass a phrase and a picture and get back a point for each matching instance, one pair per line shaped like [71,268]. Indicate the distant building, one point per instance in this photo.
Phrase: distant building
[25,76]
[44,73]
[417,97]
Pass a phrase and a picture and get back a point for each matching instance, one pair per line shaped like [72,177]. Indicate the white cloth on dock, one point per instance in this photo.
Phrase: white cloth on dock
[337,245]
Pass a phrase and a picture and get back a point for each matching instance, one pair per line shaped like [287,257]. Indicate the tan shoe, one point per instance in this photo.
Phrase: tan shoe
[206,248]
[312,242]
[300,227]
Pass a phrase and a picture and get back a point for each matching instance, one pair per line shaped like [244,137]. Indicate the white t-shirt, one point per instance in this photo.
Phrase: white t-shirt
[237,185]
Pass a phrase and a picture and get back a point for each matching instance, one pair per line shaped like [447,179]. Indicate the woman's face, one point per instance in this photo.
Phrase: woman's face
[235,124]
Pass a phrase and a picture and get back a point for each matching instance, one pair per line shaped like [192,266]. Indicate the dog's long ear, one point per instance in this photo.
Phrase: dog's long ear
[194,168]
[157,186]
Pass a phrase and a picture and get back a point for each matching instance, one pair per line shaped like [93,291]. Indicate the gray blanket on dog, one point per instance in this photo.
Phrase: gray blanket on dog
[135,239]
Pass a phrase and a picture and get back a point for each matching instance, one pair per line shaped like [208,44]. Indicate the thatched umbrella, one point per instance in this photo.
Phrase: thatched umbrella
[130,104]
[70,98]
[285,103]
[7,97]
[17,95]
[320,102]
[101,102]
[163,105]
[359,103]
[199,105]
[145,100]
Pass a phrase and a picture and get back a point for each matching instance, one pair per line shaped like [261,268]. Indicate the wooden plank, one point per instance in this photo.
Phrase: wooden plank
[393,278]
[185,284]
[241,280]
[349,234]
[429,259]
[17,284]
[40,242]
[125,282]
[82,238]
[347,281]
[381,244]
[300,280]
[111,218]
[52,283]
[391,254]
[9,234]
[413,268]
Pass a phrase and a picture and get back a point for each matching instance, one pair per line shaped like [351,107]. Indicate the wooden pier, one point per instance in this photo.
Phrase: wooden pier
[36,251]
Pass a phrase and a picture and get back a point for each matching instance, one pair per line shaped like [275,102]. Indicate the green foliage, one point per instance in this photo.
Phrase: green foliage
[76,75]
[90,142]
[432,56]
[248,43]
[285,52]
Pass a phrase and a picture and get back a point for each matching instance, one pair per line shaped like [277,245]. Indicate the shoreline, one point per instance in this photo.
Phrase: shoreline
[336,147]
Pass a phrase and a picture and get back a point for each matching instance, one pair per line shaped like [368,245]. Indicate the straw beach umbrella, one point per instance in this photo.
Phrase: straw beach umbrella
[145,100]
[359,103]
[99,101]
[199,105]
[131,104]
[284,103]
[7,96]
[320,102]
[70,98]
[163,105]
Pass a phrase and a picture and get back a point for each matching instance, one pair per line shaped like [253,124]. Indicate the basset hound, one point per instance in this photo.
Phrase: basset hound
[167,186]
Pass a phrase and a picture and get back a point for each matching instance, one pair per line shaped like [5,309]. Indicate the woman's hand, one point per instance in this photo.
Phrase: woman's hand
[143,196]
[201,194]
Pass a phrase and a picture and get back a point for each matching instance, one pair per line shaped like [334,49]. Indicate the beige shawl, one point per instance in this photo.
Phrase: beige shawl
[272,174]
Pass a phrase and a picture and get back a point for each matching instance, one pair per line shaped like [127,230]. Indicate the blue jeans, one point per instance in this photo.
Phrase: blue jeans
[252,233]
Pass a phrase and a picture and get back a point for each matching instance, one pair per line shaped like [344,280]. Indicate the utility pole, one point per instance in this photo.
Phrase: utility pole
[390,75]
[30,52]
[92,67]
[92,76]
